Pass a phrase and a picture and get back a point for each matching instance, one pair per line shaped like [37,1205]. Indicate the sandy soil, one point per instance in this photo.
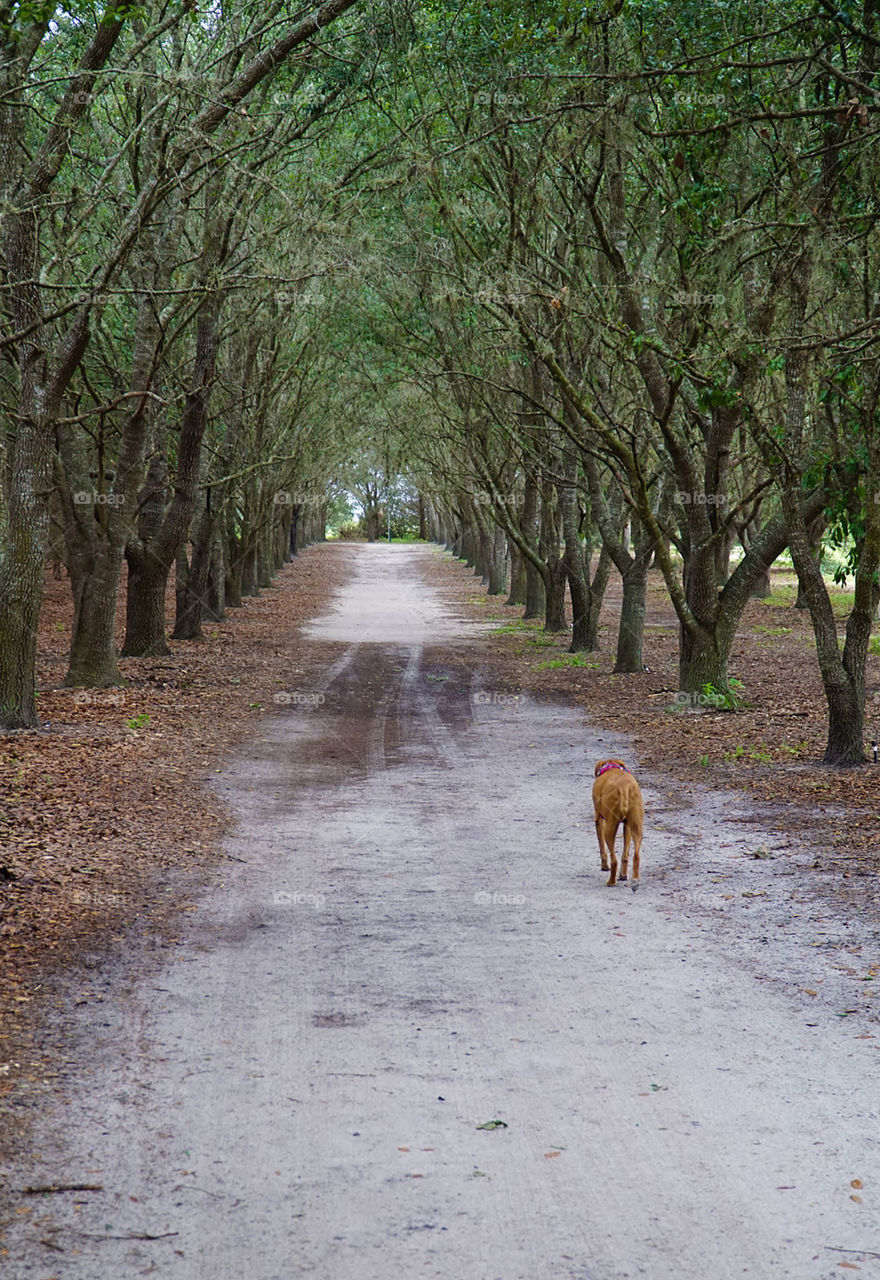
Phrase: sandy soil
[414,939]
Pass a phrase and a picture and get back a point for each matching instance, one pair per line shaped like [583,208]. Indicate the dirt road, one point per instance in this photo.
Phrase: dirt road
[414,939]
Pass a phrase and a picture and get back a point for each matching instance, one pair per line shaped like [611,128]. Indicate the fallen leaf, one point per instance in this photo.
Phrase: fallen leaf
[857,1183]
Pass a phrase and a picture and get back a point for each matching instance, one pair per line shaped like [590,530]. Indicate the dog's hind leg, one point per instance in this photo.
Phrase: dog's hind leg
[624,861]
[637,849]
[610,832]
[603,856]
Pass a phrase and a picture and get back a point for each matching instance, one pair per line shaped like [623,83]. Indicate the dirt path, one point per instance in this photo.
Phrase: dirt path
[415,939]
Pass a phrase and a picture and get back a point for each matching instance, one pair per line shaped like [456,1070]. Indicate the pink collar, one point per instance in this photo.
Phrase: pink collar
[611,766]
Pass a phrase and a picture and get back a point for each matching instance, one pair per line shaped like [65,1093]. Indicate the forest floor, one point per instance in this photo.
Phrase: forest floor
[459,755]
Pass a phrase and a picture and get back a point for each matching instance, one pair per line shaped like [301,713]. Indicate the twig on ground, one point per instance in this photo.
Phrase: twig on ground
[53,1189]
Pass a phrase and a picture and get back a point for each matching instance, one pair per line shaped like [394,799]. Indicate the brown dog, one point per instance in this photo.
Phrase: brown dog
[617,799]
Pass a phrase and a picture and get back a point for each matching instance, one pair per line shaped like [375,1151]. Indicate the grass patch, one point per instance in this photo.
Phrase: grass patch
[782,596]
[568,660]
[761,755]
[773,631]
[517,628]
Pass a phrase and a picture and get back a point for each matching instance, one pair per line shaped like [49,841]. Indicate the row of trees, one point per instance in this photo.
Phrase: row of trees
[637,287]
[598,281]
[159,319]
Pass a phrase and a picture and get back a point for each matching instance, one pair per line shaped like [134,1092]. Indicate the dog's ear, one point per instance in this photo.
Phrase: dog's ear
[599,764]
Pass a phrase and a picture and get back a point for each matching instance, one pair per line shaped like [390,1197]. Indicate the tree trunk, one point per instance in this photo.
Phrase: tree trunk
[631,629]
[723,547]
[93,648]
[517,576]
[763,586]
[233,567]
[554,596]
[498,566]
[843,675]
[535,592]
[469,547]
[191,600]
[582,639]
[586,596]
[215,601]
[145,606]
[815,532]
[587,633]
[484,552]
[264,558]
[248,563]
[702,661]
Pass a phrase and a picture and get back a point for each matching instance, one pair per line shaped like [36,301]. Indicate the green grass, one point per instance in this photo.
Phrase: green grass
[517,628]
[568,660]
[739,753]
[782,596]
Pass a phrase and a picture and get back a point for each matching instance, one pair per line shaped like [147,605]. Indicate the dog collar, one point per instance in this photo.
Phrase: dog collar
[611,765]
